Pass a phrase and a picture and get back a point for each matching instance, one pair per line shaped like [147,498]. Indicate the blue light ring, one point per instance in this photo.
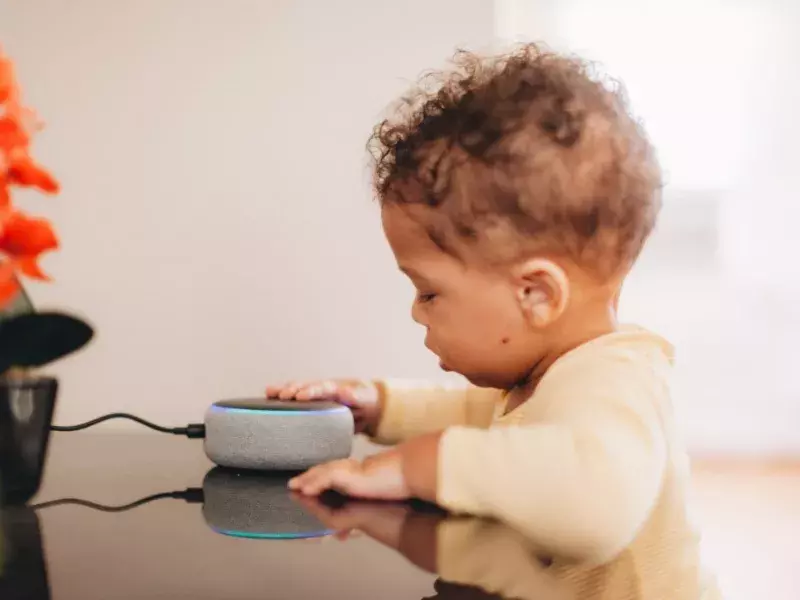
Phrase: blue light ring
[274,536]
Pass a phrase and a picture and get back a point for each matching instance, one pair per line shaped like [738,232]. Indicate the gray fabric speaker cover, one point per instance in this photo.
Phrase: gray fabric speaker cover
[277,436]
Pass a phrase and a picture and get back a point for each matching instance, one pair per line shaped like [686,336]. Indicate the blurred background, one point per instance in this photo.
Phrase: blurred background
[217,222]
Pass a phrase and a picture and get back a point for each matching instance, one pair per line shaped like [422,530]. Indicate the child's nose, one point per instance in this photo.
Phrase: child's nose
[418,314]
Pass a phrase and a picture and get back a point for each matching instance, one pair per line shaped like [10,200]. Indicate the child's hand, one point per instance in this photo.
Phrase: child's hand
[379,477]
[406,471]
[362,397]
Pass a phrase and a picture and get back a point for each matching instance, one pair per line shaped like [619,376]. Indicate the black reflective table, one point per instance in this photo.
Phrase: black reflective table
[147,516]
[141,516]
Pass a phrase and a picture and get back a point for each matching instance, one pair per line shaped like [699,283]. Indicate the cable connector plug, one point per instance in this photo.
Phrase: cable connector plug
[195,431]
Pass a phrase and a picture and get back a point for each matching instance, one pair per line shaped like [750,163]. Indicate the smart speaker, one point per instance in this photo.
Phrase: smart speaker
[277,435]
[250,504]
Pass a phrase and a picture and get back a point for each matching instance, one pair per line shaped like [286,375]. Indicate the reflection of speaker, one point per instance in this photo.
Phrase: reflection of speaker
[277,435]
[250,504]
[245,504]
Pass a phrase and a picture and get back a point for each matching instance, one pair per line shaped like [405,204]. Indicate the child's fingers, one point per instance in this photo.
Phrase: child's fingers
[279,391]
[273,390]
[334,475]
[328,389]
[286,391]
[315,481]
[297,483]
[318,390]
[289,391]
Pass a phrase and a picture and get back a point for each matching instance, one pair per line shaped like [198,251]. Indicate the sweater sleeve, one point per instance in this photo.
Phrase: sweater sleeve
[580,480]
[411,409]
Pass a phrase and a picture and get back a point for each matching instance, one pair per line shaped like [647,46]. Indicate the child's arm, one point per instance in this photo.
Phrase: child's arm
[579,482]
[391,411]
[575,492]
[410,409]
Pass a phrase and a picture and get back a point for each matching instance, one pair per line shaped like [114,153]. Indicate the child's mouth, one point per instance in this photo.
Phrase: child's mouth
[444,367]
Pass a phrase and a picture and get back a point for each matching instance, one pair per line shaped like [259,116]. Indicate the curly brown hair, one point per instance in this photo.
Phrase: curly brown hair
[527,147]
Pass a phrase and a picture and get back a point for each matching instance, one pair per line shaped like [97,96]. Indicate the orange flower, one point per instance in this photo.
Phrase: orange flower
[23,240]
[7,84]
[12,135]
[17,124]
[23,171]
[21,235]
[5,197]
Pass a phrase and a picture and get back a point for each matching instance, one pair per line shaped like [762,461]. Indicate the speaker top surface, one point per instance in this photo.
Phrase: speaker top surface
[273,405]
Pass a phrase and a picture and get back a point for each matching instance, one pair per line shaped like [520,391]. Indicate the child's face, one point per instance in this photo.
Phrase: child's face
[472,315]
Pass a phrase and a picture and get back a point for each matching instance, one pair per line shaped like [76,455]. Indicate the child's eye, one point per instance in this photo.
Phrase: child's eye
[424,298]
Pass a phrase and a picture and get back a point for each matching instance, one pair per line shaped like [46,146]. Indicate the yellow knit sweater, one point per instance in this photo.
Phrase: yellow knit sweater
[589,467]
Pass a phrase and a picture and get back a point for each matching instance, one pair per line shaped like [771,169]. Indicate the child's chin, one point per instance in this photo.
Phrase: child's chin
[481,381]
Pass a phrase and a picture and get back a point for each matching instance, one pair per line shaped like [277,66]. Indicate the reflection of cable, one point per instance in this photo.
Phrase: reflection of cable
[191,495]
[193,430]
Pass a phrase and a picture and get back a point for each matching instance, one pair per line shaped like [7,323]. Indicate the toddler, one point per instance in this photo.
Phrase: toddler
[516,194]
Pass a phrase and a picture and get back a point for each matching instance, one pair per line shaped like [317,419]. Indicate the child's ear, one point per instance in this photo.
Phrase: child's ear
[542,291]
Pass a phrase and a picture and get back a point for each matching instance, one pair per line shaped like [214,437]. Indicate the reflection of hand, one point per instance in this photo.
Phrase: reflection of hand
[382,521]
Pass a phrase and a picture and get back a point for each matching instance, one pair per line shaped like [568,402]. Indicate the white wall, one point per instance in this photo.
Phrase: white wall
[713,82]
[216,219]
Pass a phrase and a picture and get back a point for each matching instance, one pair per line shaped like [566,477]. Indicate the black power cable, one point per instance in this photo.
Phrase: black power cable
[193,430]
[191,495]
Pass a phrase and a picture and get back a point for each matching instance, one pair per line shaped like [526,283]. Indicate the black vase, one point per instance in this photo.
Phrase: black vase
[26,413]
